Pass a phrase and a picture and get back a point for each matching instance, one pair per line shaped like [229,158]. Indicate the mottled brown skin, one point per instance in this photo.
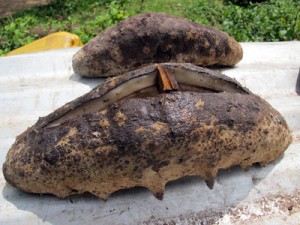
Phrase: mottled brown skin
[146,140]
[154,38]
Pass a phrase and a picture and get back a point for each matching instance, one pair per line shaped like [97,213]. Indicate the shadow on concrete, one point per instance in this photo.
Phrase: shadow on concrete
[91,82]
[298,83]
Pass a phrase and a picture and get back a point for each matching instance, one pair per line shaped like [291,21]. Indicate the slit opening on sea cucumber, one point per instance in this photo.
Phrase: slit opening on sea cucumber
[144,83]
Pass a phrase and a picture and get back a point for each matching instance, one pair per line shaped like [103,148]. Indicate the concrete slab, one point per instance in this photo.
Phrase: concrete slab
[34,85]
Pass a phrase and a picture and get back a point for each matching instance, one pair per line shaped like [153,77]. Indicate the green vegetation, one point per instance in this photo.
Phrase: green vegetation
[271,20]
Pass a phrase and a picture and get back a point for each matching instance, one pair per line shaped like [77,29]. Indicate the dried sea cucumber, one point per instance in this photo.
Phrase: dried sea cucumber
[149,38]
[145,128]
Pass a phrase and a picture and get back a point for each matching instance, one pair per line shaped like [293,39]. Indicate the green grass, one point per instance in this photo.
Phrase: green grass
[271,20]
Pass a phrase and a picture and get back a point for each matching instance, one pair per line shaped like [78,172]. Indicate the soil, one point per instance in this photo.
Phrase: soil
[8,7]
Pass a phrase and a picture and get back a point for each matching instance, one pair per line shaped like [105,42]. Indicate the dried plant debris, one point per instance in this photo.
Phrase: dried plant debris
[145,128]
[154,38]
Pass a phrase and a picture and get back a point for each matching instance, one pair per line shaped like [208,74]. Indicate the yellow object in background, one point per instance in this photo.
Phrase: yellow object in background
[49,42]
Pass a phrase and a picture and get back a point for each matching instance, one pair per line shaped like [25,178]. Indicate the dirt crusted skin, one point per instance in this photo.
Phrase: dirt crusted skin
[155,38]
[146,137]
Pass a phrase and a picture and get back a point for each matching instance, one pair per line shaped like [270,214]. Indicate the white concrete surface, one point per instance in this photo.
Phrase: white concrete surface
[33,85]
